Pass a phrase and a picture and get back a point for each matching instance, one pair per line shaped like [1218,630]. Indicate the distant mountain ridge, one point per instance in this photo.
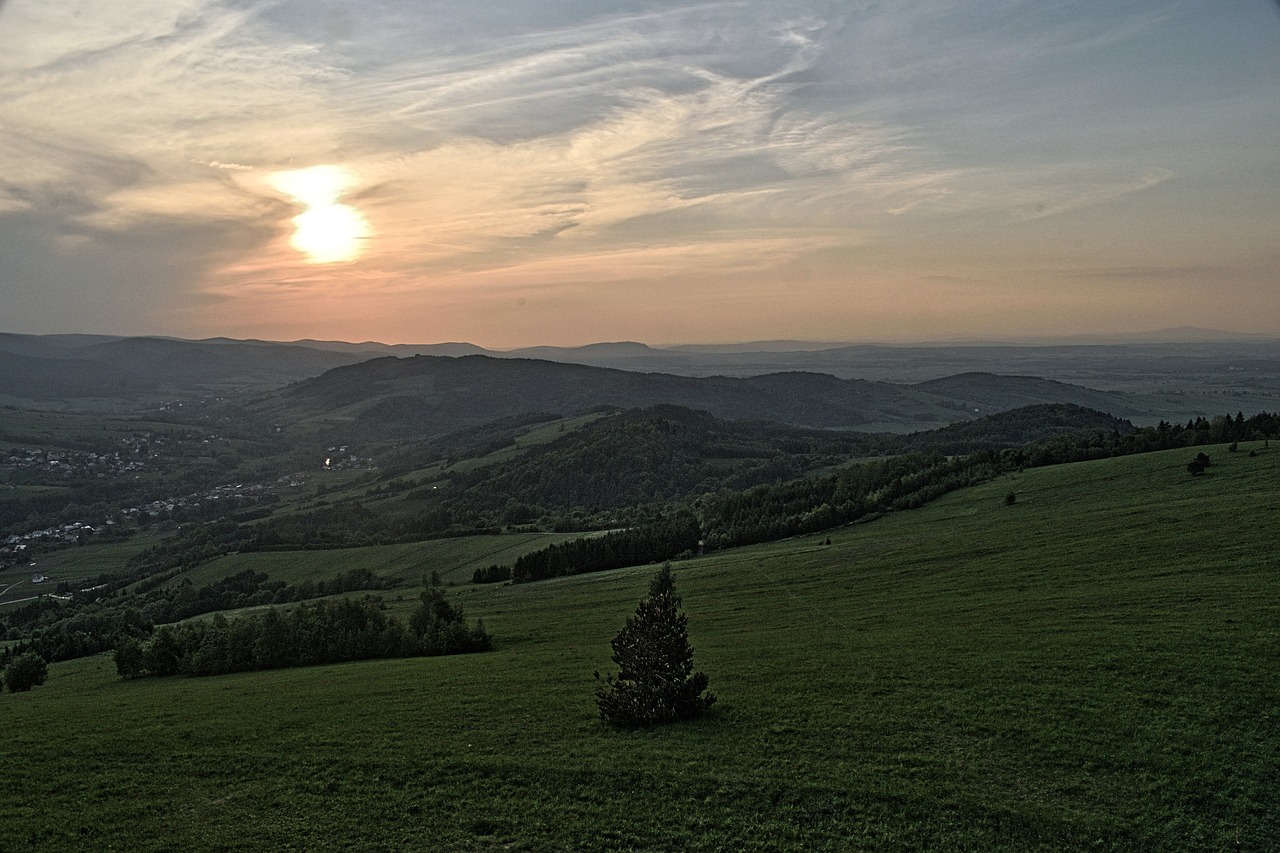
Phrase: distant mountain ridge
[45,368]
[1142,381]
[427,395]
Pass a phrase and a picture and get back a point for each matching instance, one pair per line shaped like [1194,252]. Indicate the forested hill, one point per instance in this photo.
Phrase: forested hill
[637,468]
[651,455]
[669,453]
[991,392]
[1014,428]
[431,395]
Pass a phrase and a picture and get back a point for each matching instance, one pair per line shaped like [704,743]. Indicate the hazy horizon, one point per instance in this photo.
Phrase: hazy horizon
[564,173]
[1183,334]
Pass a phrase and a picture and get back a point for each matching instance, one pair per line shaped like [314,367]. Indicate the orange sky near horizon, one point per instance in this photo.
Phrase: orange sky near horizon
[668,173]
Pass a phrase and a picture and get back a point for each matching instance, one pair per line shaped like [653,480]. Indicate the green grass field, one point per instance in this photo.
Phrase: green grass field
[1091,667]
[90,561]
[74,564]
[455,559]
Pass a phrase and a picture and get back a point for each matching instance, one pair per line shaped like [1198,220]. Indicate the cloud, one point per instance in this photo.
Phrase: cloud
[1199,272]
[509,144]
[633,133]
[1050,194]
[572,130]
[154,84]
[568,131]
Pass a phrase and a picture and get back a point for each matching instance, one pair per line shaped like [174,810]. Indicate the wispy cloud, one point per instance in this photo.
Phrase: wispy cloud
[1051,192]
[509,144]
[632,120]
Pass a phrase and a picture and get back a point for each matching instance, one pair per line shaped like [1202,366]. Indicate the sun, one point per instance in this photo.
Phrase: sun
[330,233]
[327,232]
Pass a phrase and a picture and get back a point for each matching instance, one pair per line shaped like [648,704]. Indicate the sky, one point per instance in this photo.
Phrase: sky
[512,172]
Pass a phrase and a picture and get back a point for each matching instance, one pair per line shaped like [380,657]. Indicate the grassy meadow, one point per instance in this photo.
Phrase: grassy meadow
[455,559]
[1090,667]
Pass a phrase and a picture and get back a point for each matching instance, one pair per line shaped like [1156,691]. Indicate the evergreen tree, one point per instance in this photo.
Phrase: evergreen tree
[655,682]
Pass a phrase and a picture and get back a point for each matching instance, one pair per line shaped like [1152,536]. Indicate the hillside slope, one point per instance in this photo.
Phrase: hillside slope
[1090,667]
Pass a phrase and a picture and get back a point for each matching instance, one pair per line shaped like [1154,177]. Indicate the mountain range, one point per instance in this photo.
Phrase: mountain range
[850,386]
[429,395]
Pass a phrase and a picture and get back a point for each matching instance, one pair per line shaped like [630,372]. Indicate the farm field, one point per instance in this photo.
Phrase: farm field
[455,559]
[27,427]
[73,565]
[1089,667]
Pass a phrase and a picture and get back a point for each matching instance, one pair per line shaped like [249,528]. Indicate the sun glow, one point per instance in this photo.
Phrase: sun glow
[327,232]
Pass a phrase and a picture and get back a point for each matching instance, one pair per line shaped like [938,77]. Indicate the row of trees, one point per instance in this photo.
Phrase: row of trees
[759,514]
[251,589]
[771,512]
[652,543]
[58,632]
[84,631]
[325,631]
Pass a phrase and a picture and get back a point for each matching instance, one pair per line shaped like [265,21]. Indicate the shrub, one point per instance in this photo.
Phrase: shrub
[442,629]
[24,672]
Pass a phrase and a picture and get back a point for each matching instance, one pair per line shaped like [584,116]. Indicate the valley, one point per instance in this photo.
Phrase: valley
[979,611]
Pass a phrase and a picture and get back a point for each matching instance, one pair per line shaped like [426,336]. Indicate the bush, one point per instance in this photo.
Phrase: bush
[441,628]
[24,672]
[656,682]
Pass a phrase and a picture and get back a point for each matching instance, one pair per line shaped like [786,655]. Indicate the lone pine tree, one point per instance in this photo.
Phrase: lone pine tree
[655,682]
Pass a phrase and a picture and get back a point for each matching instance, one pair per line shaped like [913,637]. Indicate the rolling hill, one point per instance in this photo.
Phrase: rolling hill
[427,395]
[1079,670]
[1173,378]
[669,453]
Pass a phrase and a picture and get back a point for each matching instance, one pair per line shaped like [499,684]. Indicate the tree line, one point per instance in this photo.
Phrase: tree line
[53,635]
[677,535]
[97,626]
[319,632]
